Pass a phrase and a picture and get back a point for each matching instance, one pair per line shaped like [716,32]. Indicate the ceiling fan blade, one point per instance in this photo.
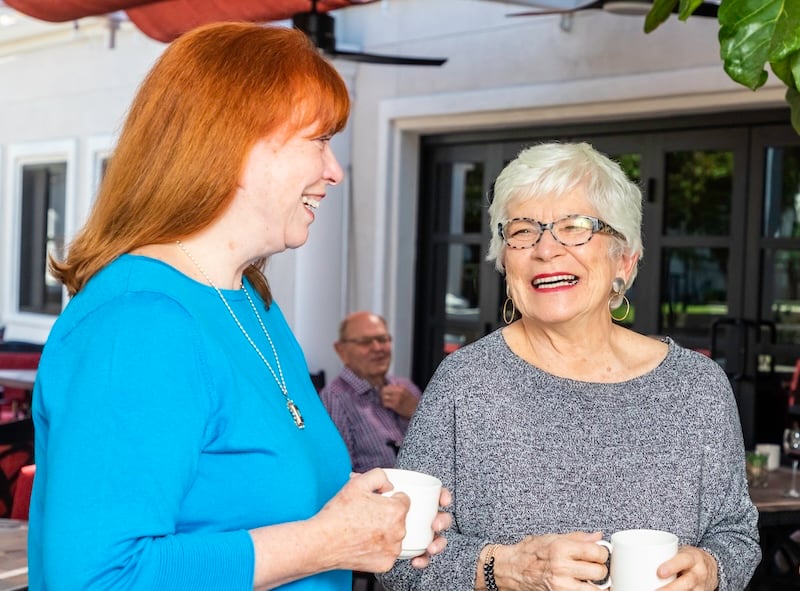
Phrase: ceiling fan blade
[397,60]
[319,26]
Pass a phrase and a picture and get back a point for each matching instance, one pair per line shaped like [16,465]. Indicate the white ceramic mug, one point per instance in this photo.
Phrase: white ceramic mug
[773,453]
[424,491]
[636,554]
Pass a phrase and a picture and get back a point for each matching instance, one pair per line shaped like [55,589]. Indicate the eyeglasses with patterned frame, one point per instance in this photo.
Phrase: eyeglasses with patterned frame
[381,339]
[571,230]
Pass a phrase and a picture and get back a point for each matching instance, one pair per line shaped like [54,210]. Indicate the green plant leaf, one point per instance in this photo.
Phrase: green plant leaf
[783,70]
[662,9]
[752,33]
[784,56]
[747,29]
[786,37]
[687,8]
[658,14]
[793,98]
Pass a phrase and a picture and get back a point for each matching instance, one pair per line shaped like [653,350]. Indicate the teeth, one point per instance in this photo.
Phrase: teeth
[556,281]
[312,203]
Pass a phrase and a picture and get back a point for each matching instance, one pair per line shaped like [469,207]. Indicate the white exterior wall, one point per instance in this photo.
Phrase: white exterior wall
[68,91]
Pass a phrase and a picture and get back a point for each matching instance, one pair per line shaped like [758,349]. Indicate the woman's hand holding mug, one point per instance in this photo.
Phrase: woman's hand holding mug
[636,555]
[423,519]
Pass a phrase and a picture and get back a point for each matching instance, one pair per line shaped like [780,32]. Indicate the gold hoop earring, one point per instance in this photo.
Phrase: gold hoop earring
[627,310]
[618,298]
[509,318]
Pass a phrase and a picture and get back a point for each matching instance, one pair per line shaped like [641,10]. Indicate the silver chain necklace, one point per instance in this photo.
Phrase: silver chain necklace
[279,379]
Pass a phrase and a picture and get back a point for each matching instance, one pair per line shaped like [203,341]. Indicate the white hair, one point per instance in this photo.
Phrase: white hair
[555,169]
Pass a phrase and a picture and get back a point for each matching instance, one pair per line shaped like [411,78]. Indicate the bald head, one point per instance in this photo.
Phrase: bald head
[357,319]
[365,346]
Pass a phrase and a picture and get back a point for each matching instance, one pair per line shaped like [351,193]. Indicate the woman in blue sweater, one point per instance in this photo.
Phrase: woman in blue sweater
[179,441]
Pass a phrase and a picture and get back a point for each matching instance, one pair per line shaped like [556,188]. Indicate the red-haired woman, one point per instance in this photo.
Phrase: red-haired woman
[179,441]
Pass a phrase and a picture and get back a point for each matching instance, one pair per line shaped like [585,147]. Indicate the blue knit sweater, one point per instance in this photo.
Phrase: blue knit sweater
[161,438]
[528,453]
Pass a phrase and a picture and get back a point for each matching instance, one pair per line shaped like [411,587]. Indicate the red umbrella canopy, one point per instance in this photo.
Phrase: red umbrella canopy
[164,20]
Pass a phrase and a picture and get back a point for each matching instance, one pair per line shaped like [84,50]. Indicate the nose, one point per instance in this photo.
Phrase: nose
[547,245]
[333,171]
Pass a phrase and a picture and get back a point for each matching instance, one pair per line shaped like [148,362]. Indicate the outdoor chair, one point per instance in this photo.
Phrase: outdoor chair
[14,401]
[16,451]
[22,492]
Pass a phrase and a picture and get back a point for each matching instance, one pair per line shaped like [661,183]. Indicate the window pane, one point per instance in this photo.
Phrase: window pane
[42,234]
[458,336]
[694,290]
[460,209]
[462,311]
[782,193]
[698,193]
[463,281]
[780,293]
[631,164]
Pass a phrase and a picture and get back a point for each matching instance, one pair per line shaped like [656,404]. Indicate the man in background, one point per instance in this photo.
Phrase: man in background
[370,408]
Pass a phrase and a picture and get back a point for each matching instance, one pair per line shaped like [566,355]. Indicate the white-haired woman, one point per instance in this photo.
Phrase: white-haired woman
[564,427]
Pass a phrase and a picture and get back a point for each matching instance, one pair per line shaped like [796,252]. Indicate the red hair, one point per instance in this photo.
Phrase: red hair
[212,94]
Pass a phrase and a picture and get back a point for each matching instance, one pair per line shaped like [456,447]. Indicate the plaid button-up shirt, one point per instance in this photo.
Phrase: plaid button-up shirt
[371,432]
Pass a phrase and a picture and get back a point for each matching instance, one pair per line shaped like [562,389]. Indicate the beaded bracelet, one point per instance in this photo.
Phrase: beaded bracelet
[488,570]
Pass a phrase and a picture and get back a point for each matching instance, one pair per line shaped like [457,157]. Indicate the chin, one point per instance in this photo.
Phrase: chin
[296,241]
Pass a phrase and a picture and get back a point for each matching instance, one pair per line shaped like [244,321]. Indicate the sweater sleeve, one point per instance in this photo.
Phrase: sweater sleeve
[127,397]
[729,520]
[430,447]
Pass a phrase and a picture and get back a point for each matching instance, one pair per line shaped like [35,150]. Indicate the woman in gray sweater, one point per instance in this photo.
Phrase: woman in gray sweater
[565,427]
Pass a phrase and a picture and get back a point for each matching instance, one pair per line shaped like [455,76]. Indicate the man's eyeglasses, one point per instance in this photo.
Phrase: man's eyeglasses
[381,339]
[571,230]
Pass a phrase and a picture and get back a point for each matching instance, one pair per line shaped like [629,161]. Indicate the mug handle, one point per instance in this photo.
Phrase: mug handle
[606,582]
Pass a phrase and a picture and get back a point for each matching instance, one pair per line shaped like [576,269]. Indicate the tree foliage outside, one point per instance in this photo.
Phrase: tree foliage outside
[752,34]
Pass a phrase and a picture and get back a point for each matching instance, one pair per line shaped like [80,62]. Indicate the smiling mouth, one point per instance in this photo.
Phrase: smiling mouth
[310,202]
[555,281]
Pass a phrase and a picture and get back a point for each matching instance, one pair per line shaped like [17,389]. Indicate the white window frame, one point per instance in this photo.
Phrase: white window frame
[26,325]
[96,149]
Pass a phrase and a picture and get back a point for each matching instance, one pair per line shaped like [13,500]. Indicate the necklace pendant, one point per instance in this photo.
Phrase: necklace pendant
[295,412]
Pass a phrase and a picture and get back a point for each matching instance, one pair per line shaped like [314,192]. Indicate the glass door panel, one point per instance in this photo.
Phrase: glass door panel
[458,211]
[782,192]
[698,193]
[456,294]
[462,297]
[776,262]
[701,242]
[782,294]
[694,290]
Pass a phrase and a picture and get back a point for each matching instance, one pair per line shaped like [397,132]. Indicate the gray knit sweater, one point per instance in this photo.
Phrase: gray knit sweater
[528,453]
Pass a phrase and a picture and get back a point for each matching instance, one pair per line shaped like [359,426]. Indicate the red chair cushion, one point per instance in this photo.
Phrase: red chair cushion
[22,492]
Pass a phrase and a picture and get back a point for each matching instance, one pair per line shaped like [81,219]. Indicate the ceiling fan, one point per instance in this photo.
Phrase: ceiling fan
[623,7]
[319,26]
